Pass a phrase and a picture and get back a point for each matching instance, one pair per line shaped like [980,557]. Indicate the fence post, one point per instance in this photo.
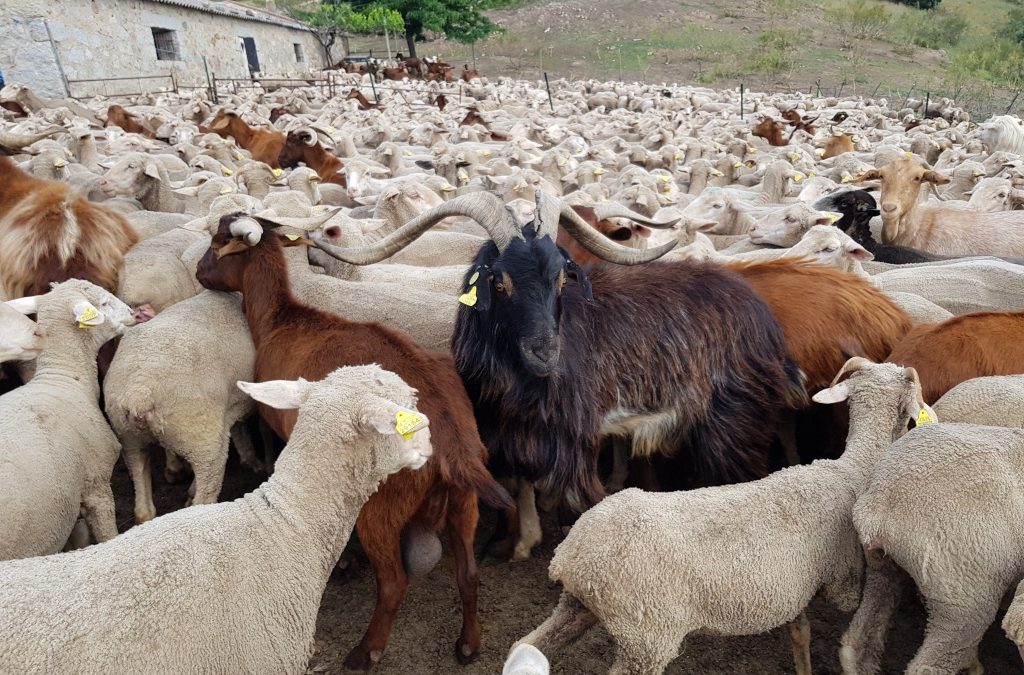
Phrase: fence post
[1012,102]
[373,86]
[927,101]
[908,97]
[548,85]
[876,89]
[817,83]
[742,91]
[840,92]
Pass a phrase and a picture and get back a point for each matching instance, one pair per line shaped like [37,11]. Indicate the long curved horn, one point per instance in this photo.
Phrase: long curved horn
[603,247]
[852,365]
[248,230]
[606,210]
[485,208]
[18,141]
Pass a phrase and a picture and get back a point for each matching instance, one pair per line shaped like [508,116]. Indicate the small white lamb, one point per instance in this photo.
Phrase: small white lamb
[56,449]
[223,588]
[734,560]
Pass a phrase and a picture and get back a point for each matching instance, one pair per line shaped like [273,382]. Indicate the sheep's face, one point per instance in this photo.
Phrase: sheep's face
[901,186]
[130,176]
[785,226]
[882,384]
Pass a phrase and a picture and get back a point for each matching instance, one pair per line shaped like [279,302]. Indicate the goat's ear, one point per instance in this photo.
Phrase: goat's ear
[389,418]
[279,394]
[836,394]
[232,247]
[579,275]
[870,174]
[27,305]
[935,177]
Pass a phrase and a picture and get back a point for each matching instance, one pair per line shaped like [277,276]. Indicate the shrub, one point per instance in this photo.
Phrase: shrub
[1014,27]
[935,29]
[995,60]
[920,4]
[860,19]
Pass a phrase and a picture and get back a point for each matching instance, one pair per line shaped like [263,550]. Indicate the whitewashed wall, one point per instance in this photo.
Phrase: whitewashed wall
[113,38]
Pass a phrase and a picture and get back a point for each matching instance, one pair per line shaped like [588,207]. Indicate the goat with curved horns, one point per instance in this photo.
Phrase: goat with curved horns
[705,378]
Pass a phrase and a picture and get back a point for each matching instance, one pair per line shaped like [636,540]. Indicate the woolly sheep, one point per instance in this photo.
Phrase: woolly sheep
[960,286]
[55,446]
[231,587]
[996,401]
[1013,622]
[946,507]
[734,560]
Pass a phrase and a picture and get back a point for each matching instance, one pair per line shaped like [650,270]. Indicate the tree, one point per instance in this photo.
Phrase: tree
[920,4]
[460,20]
[332,19]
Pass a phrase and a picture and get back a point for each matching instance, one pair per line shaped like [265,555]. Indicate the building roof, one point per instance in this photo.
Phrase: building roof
[236,11]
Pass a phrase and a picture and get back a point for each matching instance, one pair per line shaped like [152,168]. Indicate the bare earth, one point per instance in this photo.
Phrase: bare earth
[514,598]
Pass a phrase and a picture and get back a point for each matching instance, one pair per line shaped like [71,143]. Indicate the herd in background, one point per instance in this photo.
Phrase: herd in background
[420,299]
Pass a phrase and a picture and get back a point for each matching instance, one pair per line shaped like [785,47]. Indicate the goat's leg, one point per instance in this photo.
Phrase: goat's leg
[383,546]
[529,521]
[506,532]
[242,440]
[800,635]
[136,458]
[620,464]
[463,515]
[567,623]
[863,643]
[955,627]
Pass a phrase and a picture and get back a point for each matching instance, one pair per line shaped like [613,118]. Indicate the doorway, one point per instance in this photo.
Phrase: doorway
[249,45]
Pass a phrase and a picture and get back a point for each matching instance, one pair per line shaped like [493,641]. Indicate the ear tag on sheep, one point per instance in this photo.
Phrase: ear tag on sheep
[88,317]
[908,155]
[925,417]
[276,172]
[406,423]
[227,171]
[810,174]
[239,156]
[291,237]
[833,216]
[226,190]
[469,297]
[797,177]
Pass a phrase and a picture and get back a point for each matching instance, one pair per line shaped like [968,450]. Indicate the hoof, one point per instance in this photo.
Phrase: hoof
[464,653]
[501,549]
[359,660]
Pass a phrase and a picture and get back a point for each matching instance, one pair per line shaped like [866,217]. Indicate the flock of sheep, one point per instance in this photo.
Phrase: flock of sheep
[625,286]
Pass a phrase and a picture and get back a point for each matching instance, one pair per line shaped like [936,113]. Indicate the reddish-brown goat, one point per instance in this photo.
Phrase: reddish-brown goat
[473,117]
[295,340]
[771,131]
[364,103]
[395,73]
[964,347]
[837,145]
[118,116]
[326,165]
[48,233]
[469,73]
[265,146]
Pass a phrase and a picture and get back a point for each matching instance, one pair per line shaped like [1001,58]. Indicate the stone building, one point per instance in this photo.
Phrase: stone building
[50,45]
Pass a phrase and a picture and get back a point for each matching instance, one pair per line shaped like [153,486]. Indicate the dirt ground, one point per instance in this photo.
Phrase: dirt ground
[515,598]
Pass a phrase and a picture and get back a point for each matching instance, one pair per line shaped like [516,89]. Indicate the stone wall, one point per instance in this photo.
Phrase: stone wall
[114,38]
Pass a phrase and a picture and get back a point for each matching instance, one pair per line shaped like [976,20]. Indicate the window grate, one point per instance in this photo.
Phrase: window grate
[299,56]
[166,43]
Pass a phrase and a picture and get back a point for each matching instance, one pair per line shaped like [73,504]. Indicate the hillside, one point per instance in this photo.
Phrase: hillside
[766,44]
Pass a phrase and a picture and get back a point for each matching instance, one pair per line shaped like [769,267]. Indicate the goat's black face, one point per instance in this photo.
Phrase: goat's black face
[857,207]
[521,289]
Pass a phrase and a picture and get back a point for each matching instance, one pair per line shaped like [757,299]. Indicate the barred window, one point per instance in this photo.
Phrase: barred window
[299,56]
[166,43]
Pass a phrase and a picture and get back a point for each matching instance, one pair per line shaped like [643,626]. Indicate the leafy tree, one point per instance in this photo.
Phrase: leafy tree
[332,19]
[920,4]
[460,20]
[1014,26]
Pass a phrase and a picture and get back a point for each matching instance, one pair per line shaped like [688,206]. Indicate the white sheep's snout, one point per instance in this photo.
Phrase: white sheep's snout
[418,449]
[143,313]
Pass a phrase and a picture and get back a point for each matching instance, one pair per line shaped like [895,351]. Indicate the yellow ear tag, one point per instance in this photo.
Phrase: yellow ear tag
[797,177]
[330,130]
[469,297]
[239,156]
[226,190]
[810,174]
[277,173]
[833,216]
[664,179]
[291,237]
[85,316]
[908,155]
[677,157]
[925,417]
[227,171]
[406,422]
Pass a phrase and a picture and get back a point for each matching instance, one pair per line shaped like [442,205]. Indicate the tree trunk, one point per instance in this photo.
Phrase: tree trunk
[410,40]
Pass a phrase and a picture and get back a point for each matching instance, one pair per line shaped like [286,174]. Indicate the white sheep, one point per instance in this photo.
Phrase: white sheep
[734,560]
[946,507]
[55,446]
[231,587]
[21,339]
[996,401]
[1013,622]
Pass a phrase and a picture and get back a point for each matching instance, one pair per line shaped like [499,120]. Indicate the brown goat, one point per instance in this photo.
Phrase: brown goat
[837,145]
[624,234]
[441,101]
[473,117]
[296,149]
[837,312]
[468,73]
[295,340]
[964,347]
[48,233]
[265,146]
[397,73]
[364,103]
[771,131]
[799,123]
[118,116]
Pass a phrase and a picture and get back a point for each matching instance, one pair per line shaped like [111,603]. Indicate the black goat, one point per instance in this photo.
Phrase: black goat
[858,208]
[685,358]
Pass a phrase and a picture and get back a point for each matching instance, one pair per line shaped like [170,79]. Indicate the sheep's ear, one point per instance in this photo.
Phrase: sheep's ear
[935,177]
[861,253]
[828,218]
[152,170]
[389,418]
[27,305]
[836,394]
[86,314]
[279,394]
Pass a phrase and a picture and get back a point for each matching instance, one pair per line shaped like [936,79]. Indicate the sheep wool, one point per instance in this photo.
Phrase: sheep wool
[222,588]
